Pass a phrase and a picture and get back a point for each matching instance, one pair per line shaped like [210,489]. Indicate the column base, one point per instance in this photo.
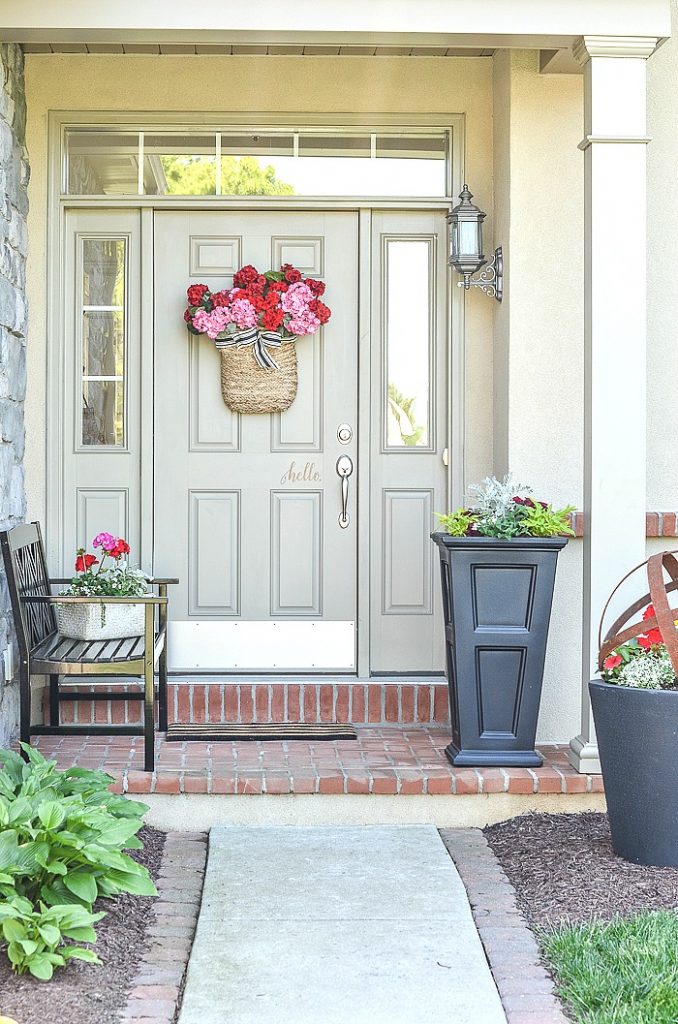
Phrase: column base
[583,756]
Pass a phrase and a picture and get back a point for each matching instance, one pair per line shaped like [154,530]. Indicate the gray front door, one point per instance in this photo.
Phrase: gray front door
[246,508]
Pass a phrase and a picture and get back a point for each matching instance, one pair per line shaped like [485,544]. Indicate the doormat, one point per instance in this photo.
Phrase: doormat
[211,733]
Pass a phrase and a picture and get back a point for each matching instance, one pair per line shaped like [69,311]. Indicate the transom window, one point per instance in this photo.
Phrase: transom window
[314,162]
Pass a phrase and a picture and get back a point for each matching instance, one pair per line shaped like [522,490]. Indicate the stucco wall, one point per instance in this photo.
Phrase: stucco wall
[538,339]
[13,245]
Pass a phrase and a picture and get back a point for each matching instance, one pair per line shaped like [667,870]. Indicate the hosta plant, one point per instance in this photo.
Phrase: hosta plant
[62,840]
[505,509]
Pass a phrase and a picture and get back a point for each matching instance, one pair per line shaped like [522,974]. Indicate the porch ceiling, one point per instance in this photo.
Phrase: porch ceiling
[323,23]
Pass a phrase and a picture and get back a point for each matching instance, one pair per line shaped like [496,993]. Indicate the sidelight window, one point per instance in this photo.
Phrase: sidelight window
[407,272]
[103,327]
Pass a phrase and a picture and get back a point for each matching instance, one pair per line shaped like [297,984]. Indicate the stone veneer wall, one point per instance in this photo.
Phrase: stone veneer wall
[14,172]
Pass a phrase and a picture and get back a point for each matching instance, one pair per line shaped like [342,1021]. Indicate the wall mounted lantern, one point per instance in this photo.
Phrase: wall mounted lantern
[466,248]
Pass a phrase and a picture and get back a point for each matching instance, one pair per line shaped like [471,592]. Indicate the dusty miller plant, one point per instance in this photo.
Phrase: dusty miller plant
[493,498]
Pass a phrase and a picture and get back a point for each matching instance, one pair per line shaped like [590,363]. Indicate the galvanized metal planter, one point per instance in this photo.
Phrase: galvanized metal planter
[84,621]
[637,733]
[497,597]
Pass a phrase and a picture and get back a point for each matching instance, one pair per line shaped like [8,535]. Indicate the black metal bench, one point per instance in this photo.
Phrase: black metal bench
[43,651]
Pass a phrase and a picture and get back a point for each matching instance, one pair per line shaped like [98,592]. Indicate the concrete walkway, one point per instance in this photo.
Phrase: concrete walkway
[336,926]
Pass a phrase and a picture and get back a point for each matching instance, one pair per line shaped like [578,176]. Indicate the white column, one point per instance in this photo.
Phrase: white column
[614,148]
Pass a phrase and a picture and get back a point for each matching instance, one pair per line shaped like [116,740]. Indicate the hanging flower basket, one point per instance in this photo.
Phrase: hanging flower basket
[255,326]
[249,388]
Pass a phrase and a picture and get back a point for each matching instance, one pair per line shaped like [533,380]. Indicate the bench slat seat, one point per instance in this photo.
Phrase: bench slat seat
[44,651]
[67,657]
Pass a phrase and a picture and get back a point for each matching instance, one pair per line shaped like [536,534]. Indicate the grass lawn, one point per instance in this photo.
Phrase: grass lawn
[621,972]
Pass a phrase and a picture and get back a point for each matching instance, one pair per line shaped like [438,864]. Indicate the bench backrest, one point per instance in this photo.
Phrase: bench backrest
[26,571]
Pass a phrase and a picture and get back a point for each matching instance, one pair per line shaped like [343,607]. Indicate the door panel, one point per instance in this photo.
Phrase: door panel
[409,432]
[247,507]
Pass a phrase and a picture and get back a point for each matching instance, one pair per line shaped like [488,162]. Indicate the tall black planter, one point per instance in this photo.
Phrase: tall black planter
[497,597]
[637,734]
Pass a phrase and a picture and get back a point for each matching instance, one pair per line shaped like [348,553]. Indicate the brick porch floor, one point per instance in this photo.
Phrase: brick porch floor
[402,760]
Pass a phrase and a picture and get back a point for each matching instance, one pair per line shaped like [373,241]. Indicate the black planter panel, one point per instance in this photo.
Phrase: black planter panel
[497,598]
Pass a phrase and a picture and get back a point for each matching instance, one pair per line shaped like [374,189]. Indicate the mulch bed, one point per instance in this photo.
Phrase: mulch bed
[85,993]
[564,871]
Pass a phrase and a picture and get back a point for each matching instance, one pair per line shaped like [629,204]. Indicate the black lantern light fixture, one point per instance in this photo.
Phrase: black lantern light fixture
[466,248]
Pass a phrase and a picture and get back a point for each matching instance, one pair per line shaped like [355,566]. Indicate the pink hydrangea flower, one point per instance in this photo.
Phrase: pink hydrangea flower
[304,323]
[105,540]
[219,320]
[201,321]
[212,324]
[243,313]
[296,299]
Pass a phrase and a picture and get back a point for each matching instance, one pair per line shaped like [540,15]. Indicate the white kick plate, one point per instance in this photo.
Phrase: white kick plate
[273,644]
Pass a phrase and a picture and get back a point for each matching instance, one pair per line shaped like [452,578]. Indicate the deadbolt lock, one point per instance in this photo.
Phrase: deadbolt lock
[344,433]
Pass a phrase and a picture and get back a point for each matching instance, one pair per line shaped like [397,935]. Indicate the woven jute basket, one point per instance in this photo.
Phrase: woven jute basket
[249,388]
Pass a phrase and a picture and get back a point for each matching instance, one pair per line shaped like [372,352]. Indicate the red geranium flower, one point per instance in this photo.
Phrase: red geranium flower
[292,275]
[320,309]
[195,294]
[245,276]
[649,612]
[612,661]
[271,300]
[279,286]
[272,319]
[317,287]
[187,315]
[84,562]
[121,548]
[221,298]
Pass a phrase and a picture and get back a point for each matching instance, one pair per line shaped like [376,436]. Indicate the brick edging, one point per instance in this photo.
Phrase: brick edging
[525,986]
[155,993]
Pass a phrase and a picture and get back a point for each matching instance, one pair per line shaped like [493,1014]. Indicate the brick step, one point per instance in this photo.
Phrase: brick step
[360,703]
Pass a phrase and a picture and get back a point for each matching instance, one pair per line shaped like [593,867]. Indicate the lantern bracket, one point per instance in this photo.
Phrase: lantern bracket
[490,279]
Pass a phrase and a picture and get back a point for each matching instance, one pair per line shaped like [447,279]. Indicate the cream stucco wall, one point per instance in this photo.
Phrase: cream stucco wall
[538,340]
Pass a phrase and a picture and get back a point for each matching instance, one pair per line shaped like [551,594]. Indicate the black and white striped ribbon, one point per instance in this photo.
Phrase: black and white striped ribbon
[261,340]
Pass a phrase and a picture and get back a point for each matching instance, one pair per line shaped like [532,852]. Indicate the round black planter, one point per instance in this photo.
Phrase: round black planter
[638,744]
[497,597]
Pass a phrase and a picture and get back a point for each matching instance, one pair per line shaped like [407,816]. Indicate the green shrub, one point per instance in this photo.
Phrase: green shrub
[62,837]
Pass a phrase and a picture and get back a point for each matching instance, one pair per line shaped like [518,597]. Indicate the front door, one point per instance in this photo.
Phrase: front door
[247,507]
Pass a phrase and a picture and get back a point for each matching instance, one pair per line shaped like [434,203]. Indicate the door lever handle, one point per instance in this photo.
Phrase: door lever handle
[344,469]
